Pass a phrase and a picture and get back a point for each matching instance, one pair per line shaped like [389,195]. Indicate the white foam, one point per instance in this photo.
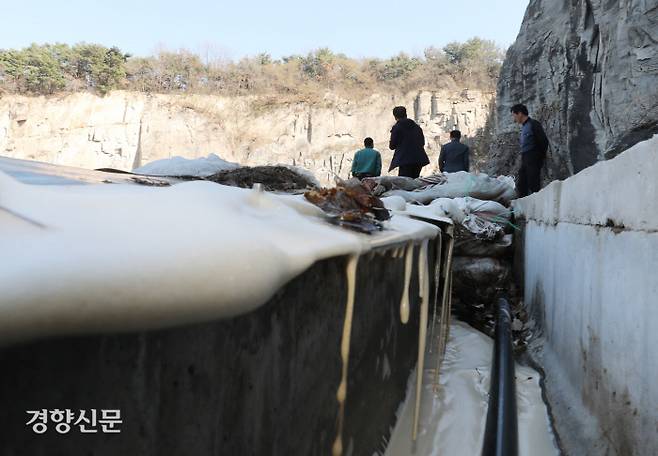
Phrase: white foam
[98,258]
[180,166]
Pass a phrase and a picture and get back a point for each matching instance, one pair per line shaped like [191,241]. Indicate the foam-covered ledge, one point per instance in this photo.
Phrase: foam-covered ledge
[261,383]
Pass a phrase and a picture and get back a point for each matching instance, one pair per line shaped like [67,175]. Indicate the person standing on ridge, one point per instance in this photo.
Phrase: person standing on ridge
[367,162]
[534,145]
[408,141]
[454,155]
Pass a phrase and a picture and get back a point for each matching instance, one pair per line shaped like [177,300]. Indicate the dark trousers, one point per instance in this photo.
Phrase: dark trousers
[410,170]
[529,179]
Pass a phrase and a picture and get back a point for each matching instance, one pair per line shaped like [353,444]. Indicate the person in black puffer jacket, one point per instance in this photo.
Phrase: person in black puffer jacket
[408,141]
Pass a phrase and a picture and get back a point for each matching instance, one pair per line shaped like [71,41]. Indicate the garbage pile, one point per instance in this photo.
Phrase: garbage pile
[351,205]
[479,206]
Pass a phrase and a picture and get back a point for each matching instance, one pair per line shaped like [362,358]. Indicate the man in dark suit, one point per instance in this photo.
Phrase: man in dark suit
[408,141]
[534,145]
[454,155]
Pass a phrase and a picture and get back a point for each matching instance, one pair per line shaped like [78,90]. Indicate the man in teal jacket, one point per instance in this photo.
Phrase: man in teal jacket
[367,162]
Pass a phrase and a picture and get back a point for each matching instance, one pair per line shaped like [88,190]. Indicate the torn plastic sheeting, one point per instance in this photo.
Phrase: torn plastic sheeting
[460,208]
[485,219]
[482,228]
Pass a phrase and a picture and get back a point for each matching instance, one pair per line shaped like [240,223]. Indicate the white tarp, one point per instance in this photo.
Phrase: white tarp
[99,258]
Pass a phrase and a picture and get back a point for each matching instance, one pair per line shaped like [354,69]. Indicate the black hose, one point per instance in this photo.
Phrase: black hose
[501,432]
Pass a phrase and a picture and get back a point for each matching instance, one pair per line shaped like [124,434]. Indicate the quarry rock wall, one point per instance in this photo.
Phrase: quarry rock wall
[127,129]
[588,70]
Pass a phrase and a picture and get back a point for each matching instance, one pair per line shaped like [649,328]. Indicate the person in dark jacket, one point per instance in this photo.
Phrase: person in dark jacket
[534,145]
[408,141]
[454,155]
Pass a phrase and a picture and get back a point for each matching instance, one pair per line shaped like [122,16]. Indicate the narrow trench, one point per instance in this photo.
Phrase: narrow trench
[445,409]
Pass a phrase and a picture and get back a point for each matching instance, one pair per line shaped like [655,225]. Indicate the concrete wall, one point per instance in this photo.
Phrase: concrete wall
[263,383]
[589,248]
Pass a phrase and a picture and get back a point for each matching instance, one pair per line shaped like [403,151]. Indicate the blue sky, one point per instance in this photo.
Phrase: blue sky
[221,29]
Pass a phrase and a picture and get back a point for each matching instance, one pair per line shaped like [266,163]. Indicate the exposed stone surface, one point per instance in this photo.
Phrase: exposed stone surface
[125,129]
[588,70]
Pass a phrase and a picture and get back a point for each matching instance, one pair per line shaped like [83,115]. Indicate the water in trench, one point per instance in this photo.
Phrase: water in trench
[453,413]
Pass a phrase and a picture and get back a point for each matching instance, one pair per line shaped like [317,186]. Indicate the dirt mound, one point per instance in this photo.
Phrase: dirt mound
[273,178]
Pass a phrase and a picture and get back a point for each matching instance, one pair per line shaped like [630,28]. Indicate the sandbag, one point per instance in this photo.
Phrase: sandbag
[480,271]
[394,203]
[488,210]
[485,219]
[479,280]
[462,184]
[450,208]
[470,246]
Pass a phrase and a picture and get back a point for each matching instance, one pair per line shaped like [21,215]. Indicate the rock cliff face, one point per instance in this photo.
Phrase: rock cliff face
[588,69]
[125,129]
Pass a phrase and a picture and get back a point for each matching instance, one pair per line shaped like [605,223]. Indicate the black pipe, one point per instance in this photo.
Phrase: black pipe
[501,432]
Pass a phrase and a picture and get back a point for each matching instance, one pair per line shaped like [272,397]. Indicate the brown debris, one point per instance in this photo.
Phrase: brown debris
[150,181]
[273,178]
[350,204]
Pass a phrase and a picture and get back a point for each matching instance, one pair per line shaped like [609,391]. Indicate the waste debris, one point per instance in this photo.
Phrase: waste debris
[479,206]
[272,178]
[352,205]
[150,181]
